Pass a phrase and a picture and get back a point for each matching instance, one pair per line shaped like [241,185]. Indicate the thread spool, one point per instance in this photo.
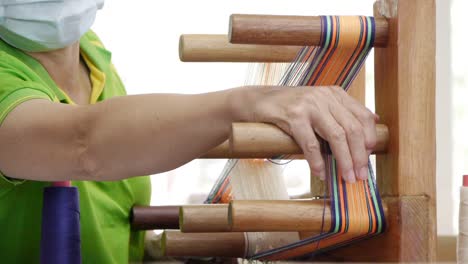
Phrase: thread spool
[462,254]
[60,233]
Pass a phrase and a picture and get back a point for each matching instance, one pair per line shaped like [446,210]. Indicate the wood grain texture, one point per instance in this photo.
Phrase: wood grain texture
[405,101]
[178,244]
[216,48]
[260,140]
[204,218]
[286,30]
[266,216]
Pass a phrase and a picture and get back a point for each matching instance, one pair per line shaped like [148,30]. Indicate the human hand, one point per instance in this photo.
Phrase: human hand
[328,111]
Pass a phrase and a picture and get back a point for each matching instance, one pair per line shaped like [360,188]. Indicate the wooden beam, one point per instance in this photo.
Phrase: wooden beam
[187,218]
[248,216]
[401,240]
[216,48]
[286,30]
[154,217]
[228,245]
[279,216]
[204,218]
[286,215]
[405,101]
[260,140]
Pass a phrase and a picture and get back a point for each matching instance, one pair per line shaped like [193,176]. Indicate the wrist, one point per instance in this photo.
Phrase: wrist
[241,102]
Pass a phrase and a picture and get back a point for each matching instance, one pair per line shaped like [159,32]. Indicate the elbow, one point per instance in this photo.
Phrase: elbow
[89,167]
[94,160]
[92,165]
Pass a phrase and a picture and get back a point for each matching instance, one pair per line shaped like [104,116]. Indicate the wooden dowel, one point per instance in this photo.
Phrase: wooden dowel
[223,151]
[216,48]
[292,215]
[204,218]
[257,216]
[155,217]
[268,216]
[233,244]
[260,140]
[228,245]
[187,218]
[287,30]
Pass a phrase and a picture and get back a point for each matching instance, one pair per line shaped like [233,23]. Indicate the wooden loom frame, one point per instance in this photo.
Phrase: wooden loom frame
[405,102]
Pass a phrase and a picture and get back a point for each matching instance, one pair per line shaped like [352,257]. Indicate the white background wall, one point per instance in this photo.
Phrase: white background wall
[143,36]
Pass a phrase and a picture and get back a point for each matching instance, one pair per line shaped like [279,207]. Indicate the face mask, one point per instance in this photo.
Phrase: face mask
[45,25]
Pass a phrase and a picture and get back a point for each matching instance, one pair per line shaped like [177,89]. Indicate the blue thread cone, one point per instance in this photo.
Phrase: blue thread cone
[60,239]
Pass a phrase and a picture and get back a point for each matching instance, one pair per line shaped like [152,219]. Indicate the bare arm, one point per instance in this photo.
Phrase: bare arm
[146,134]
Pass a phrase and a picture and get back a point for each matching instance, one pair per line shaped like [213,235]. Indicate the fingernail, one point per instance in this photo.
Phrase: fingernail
[377,117]
[350,176]
[363,173]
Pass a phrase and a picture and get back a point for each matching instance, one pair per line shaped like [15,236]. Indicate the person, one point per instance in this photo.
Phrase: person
[64,116]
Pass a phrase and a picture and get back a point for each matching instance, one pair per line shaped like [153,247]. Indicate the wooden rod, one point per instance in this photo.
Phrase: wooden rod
[187,218]
[260,140]
[216,48]
[272,216]
[287,30]
[257,216]
[232,244]
[228,245]
[204,218]
[281,216]
[154,217]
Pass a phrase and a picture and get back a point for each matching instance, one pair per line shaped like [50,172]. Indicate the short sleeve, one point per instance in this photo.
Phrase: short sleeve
[17,85]
[10,98]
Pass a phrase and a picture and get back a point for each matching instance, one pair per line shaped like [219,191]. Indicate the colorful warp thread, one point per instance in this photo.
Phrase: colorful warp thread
[356,209]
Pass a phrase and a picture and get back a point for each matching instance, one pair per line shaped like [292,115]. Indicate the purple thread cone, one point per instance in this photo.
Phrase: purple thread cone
[60,238]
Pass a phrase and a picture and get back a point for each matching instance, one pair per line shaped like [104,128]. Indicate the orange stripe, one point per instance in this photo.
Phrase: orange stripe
[354,58]
[332,43]
[223,186]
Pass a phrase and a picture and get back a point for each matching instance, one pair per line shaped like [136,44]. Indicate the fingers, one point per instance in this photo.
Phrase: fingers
[347,125]
[328,128]
[355,139]
[305,137]
[363,115]
[350,130]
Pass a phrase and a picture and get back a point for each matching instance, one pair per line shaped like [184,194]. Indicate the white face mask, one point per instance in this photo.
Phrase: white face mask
[45,25]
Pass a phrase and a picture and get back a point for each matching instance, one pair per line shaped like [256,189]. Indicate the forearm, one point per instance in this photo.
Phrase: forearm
[117,138]
[147,134]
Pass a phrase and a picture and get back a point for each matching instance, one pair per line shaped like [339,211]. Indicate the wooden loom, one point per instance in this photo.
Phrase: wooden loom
[405,102]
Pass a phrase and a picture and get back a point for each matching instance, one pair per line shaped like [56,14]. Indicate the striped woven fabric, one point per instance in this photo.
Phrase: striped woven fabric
[356,209]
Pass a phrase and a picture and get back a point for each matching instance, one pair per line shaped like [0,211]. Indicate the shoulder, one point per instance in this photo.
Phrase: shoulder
[19,81]
[92,45]
[14,72]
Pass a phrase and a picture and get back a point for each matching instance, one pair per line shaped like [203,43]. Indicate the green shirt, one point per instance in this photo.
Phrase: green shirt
[106,236]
